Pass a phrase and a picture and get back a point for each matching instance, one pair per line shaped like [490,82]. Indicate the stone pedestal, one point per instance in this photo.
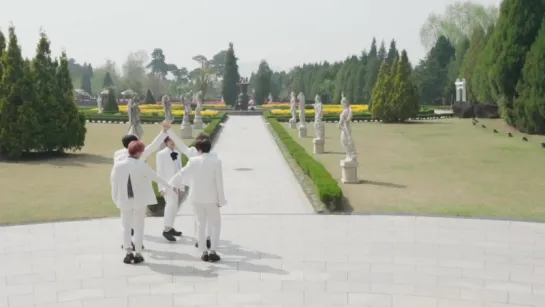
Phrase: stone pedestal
[302,131]
[349,172]
[187,131]
[293,124]
[318,146]
[197,122]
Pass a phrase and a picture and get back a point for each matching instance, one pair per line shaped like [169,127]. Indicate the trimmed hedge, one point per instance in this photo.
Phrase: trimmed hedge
[212,130]
[328,188]
[117,118]
[365,116]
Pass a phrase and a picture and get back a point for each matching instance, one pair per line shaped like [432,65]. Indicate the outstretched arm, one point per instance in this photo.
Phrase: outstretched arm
[147,172]
[188,152]
[219,184]
[160,166]
[180,179]
[155,144]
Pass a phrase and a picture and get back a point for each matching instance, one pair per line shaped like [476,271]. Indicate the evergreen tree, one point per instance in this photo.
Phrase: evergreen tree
[382,91]
[405,97]
[18,118]
[392,53]
[86,78]
[481,82]
[371,73]
[529,107]
[2,50]
[231,77]
[50,112]
[263,82]
[515,32]
[74,134]
[467,69]
[149,98]
[108,81]
[111,102]
[382,54]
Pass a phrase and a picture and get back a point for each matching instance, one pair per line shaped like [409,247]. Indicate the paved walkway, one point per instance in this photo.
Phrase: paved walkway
[277,260]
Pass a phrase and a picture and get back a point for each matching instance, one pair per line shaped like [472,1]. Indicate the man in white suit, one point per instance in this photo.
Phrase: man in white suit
[203,174]
[190,152]
[132,192]
[123,153]
[168,162]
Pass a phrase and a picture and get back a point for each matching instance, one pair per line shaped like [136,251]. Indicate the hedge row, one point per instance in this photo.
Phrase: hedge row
[364,116]
[212,130]
[328,188]
[120,118]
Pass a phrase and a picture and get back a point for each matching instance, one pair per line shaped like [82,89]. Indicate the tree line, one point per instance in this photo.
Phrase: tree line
[37,110]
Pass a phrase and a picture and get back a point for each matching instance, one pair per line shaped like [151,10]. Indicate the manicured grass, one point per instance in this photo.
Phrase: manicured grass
[445,167]
[71,187]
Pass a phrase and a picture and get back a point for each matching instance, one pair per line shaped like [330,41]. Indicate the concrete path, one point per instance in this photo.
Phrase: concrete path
[257,178]
[281,260]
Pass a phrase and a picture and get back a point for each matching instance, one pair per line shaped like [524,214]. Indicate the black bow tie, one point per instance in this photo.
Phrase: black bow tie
[174,155]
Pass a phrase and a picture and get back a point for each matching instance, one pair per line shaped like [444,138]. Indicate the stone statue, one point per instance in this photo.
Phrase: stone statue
[135,127]
[301,98]
[167,108]
[187,108]
[346,132]
[197,121]
[293,107]
[99,104]
[318,123]
[270,98]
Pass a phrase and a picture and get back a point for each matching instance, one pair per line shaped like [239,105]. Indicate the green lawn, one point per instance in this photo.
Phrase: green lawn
[72,187]
[447,167]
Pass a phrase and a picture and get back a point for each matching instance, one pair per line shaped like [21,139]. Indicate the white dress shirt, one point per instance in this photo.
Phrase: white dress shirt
[166,167]
[203,174]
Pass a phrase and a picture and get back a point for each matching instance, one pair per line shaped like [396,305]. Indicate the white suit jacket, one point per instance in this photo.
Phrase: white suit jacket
[204,176]
[166,167]
[152,147]
[141,176]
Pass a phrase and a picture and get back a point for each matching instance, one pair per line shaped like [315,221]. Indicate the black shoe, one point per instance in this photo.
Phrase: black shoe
[129,258]
[132,232]
[169,236]
[133,248]
[213,257]
[138,259]
[204,257]
[176,232]
[208,244]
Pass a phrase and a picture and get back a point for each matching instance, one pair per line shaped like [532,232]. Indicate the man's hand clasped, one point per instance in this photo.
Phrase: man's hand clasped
[166,125]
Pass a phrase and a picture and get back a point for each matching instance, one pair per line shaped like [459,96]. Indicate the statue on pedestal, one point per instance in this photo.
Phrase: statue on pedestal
[293,109]
[301,98]
[318,123]
[135,127]
[99,104]
[186,102]
[167,108]
[197,121]
[270,99]
[346,132]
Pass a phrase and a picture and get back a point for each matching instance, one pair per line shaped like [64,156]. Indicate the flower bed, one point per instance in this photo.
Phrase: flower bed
[94,117]
[356,116]
[154,110]
[212,130]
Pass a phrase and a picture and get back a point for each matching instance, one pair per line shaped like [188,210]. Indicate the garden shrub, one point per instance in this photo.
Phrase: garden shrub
[328,188]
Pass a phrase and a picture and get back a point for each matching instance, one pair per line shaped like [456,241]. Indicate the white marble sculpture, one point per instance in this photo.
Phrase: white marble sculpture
[319,127]
[187,130]
[349,164]
[293,110]
[165,101]
[197,122]
[99,104]
[270,99]
[302,119]
[135,126]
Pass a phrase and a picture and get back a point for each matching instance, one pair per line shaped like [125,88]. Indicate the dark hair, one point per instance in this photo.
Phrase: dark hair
[136,147]
[203,145]
[166,140]
[202,136]
[127,139]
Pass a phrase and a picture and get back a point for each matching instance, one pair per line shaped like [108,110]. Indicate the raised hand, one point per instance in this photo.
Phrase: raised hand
[166,125]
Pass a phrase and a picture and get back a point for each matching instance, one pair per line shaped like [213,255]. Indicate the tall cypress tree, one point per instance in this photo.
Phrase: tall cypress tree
[371,74]
[86,77]
[2,50]
[405,96]
[263,82]
[108,81]
[74,135]
[231,77]
[50,112]
[392,53]
[17,117]
[111,102]
[381,107]
[515,32]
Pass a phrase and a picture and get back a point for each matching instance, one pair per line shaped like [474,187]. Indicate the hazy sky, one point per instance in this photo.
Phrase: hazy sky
[285,32]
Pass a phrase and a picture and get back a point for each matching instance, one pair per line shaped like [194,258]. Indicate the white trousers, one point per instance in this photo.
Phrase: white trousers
[207,215]
[171,209]
[133,218]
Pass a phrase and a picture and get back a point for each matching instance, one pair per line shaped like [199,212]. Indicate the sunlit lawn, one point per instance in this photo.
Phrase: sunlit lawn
[66,188]
[445,167]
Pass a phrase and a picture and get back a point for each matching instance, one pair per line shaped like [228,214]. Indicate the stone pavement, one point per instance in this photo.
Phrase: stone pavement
[276,254]
[281,260]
